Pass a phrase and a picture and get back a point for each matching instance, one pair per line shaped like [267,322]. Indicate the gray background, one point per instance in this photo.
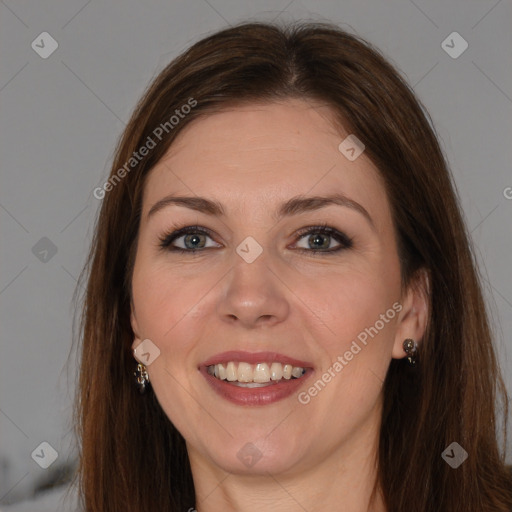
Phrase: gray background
[61,117]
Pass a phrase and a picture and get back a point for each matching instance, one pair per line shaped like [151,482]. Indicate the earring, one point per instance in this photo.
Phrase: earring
[141,377]
[410,348]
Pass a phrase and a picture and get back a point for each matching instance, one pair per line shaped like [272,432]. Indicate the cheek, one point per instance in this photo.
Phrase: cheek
[350,293]
[164,298]
[358,309]
[361,317]
[348,302]
[164,303]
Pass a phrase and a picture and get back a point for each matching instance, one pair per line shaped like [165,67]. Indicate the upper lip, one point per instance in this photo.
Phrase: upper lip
[253,358]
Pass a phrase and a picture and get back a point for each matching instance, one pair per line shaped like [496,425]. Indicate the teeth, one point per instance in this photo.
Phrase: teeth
[287,371]
[220,371]
[262,373]
[296,372]
[231,373]
[249,384]
[247,375]
[276,371]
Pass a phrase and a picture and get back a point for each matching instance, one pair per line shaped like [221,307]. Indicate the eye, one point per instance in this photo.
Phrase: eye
[193,239]
[319,238]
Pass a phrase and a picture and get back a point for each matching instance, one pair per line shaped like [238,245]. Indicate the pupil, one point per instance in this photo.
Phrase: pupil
[317,238]
[194,239]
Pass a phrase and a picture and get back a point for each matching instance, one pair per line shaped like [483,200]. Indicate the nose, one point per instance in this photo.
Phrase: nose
[254,295]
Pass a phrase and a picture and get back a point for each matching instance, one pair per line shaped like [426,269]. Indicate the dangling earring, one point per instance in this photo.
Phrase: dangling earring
[141,377]
[410,349]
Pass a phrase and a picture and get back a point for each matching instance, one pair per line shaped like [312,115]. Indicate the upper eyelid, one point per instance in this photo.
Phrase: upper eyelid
[169,238]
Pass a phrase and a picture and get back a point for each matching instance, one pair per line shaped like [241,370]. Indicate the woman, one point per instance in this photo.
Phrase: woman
[280,266]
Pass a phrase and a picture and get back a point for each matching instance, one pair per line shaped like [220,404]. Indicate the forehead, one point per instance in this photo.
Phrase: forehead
[257,154]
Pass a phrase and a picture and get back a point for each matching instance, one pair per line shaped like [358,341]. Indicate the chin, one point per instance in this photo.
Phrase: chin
[257,457]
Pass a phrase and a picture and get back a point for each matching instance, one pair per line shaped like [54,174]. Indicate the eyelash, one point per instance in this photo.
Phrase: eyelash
[345,241]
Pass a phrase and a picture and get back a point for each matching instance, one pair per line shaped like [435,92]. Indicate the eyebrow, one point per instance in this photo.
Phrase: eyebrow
[294,206]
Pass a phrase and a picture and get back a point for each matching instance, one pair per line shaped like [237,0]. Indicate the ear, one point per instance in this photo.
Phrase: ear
[135,328]
[413,317]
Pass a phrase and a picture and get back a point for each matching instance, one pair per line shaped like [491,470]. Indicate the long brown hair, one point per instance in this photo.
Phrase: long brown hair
[131,457]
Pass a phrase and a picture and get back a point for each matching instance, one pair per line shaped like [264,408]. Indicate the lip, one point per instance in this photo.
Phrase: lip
[255,396]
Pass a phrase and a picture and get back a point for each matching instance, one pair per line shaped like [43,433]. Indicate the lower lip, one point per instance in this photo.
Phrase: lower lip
[254,396]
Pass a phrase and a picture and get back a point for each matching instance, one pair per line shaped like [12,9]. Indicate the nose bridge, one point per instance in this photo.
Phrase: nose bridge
[253,289]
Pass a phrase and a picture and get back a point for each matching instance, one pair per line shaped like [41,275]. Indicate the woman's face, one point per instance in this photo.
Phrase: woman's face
[263,295]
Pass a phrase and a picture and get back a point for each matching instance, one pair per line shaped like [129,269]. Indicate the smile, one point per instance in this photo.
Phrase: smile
[259,375]
[259,378]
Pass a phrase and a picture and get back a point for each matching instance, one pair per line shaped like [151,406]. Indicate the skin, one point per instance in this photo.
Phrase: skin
[311,307]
